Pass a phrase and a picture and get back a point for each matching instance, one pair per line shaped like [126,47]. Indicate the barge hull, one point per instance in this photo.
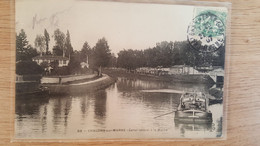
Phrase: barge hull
[193,117]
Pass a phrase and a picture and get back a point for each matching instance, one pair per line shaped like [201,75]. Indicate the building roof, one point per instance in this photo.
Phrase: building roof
[50,57]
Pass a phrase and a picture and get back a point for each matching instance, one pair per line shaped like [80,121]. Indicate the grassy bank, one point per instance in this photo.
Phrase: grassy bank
[83,80]
[74,82]
[204,79]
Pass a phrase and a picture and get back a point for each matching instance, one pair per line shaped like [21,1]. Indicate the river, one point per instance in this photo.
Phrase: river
[127,109]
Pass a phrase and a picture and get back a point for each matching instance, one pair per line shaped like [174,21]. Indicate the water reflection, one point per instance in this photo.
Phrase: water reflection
[192,128]
[100,99]
[123,105]
[61,107]
[84,107]
[29,106]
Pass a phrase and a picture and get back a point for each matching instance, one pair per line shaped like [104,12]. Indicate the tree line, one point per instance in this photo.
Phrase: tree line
[25,51]
[167,54]
[163,54]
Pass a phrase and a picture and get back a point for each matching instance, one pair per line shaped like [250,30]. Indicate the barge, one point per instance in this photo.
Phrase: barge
[193,108]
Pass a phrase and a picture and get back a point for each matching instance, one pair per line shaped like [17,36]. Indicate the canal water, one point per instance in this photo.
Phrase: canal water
[127,109]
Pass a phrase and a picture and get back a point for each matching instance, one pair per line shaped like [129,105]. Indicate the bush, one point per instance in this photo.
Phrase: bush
[28,68]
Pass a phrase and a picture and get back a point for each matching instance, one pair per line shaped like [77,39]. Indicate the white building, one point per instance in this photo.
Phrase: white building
[183,69]
[62,61]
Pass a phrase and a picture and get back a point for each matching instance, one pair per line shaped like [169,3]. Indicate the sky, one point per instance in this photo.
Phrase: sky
[124,25]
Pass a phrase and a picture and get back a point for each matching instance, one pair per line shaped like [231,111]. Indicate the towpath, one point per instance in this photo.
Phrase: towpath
[104,76]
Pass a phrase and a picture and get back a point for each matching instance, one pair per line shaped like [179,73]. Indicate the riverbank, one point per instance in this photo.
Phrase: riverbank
[27,88]
[66,79]
[202,79]
[80,87]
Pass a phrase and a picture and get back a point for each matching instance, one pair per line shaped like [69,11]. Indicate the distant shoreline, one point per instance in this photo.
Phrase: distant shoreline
[201,79]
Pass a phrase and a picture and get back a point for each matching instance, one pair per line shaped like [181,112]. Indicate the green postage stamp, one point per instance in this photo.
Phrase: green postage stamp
[206,33]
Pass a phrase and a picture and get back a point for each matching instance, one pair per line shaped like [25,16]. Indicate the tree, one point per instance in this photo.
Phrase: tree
[164,54]
[150,57]
[131,59]
[24,51]
[68,46]
[59,48]
[74,64]
[21,41]
[40,43]
[85,52]
[44,64]
[183,54]
[47,40]
[87,55]
[57,51]
[218,57]
[30,52]
[101,55]
[112,61]
[21,45]
[126,59]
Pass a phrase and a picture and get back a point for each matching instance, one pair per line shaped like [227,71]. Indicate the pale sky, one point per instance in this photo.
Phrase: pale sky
[124,25]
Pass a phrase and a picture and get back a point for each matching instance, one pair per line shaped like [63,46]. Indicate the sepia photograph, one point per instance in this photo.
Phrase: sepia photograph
[119,70]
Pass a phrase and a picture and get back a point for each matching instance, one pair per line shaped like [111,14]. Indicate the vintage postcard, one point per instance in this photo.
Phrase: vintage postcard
[119,70]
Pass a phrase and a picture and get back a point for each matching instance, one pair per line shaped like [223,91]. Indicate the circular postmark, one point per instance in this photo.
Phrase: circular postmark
[206,32]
